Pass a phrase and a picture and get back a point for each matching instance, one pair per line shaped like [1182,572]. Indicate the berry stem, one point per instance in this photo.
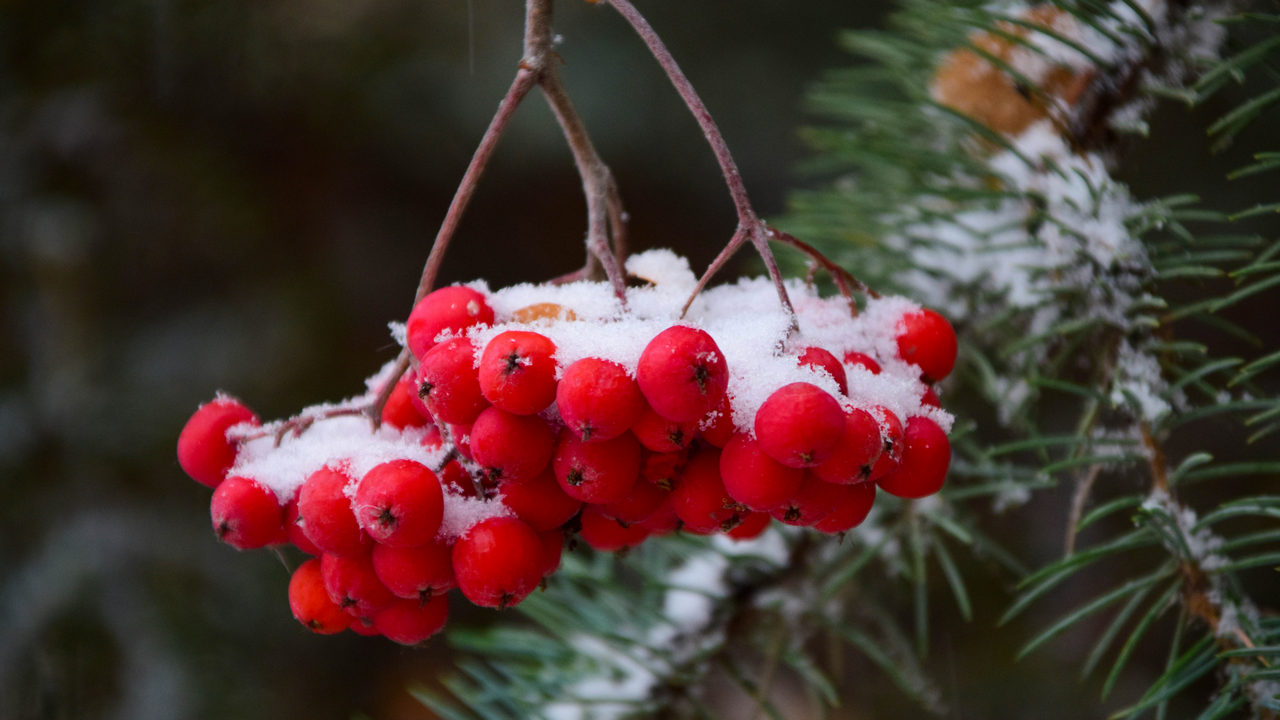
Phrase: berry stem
[749,225]
[374,409]
[844,280]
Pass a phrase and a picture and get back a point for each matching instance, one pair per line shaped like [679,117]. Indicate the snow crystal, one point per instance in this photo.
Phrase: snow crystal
[1138,382]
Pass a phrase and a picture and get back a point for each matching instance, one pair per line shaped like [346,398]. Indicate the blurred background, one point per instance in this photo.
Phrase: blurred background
[239,195]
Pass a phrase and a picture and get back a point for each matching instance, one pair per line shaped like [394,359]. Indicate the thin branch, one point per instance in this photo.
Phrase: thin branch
[1081,496]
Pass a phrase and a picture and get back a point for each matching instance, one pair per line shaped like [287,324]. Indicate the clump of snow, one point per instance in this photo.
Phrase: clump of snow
[1138,384]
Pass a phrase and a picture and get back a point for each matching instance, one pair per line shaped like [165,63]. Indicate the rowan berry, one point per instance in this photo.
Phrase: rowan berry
[498,562]
[659,434]
[799,425]
[410,622]
[400,503]
[552,549]
[662,469]
[926,454]
[453,309]
[518,372]
[700,499]
[414,572]
[606,534]
[643,500]
[246,515]
[511,447]
[863,360]
[400,410]
[597,399]
[857,451]
[926,339]
[682,373]
[596,472]
[448,383]
[294,531]
[717,426]
[822,359]
[813,501]
[754,479]
[539,501]
[752,526]
[204,452]
[353,585]
[310,603]
[850,510]
[327,518]
[891,442]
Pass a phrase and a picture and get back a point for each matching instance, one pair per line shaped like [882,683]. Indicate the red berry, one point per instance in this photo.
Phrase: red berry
[448,383]
[511,447]
[928,340]
[857,451]
[518,372]
[432,438]
[294,532]
[752,526]
[353,585]
[540,502]
[456,480]
[644,499]
[605,533]
[850,511]
[400,411]
[498,562]
[552,549]
[461,436]
[930,397]
[662,469]
[754,479]
[663,521]
[597,399]
[596,472]
[310,602]
[450,308]
[327,518]
[204,452]
[926,453]
[891,439]
[799,425]
[400,503]
[682,373]
[246,515]
[812,502]
[857,359]
[700,499]
[659,434]
[363,626]
[414,572]
[822,359]
[719,428]
[410,622]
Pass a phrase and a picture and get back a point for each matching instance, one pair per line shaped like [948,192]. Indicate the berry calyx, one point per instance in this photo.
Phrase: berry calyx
[682,373]
[928,340]
[659,434]
[498,562]
[400,503]
[517,372]
[204,452]
[799,425]
[448,383]
[453,309]
[246,515]
[607,534]
[353,585]
[539,502]
[596,472]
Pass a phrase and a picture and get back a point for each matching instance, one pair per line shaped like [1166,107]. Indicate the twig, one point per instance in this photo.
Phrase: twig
[1083,490]
[749,225]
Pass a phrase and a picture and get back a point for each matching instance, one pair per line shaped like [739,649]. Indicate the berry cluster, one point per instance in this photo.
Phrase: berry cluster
[540,413]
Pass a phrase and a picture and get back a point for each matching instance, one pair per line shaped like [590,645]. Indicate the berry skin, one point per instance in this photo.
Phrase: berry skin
[204,452]
[596,472]
[353,585]
[597,399]
[410,622]
[822,359]
[661,435]
[415,573]
[663,521]
[700,499]
[752,526]
[644,499]
[246,515]
[812,502]
[719,428]
[401,410]
[450,308]
[926,454]
[928,340]
[327,519]
[498,562]
[448,383]
[540,502]
[863,360]
[754,479]
[606,534]
[799,425]
[682,373]
[857,452]
[930,397]
[511,447]
[891,437]
[294,531]
[518,372]
[662,469]
[850,510]
[552,549]
[400,503]
[310,602]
